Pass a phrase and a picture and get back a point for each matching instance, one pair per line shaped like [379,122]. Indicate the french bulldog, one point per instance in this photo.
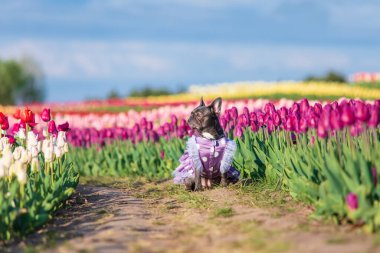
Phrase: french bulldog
[204,120]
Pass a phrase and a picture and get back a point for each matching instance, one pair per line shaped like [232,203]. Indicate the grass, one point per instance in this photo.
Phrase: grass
[224,212]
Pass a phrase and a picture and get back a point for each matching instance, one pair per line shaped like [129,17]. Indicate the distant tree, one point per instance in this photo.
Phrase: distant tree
[113,94]
[20,82]
[146,92]
[330,76]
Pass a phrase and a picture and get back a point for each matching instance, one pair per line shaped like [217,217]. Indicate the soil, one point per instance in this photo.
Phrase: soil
[160,217]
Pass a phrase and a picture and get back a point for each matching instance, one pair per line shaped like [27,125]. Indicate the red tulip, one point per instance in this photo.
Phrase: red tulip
[27,116]
[45,115]
[17,114]
[5,124]
[2,118]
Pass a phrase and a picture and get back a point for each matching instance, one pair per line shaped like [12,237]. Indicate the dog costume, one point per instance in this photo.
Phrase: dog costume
[210,157]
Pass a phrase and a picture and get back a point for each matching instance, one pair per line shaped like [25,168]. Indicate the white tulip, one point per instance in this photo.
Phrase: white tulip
[61,139]
[21,133]
[32,139]
[48,154]
[35,164]
[17,153]
[21,172]
[4,170]
[57,151]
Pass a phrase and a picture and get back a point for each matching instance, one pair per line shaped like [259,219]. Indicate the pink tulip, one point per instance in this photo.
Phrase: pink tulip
[52,129]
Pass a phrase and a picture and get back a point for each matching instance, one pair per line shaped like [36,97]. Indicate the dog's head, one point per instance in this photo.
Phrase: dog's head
[205,119]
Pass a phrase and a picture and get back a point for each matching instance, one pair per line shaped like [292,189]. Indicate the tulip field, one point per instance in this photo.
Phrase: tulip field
[323,153]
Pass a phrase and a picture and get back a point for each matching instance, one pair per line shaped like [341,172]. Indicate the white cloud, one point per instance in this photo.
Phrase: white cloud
[146,61]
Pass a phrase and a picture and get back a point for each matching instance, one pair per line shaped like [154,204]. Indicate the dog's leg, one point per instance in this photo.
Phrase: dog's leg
[189,184]
[198,183]
[224,181]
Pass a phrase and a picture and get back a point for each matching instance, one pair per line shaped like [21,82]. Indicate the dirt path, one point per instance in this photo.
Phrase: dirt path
[162,218]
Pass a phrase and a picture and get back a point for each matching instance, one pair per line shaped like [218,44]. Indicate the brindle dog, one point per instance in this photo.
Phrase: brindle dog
[205,121]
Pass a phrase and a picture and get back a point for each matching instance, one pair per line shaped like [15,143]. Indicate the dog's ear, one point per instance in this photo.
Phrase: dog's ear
[201,103]
[216,105]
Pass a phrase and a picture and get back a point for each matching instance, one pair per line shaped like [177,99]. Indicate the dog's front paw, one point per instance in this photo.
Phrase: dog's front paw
[224,180]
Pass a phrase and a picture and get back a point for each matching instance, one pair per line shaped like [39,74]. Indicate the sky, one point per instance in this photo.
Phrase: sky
[88,47]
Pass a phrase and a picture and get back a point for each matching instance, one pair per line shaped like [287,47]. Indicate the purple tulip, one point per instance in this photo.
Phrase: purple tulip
[269,108]
[304,105]
[303,126]
[223,122]
[374,175]
[318,108]
[335,120]
[347,116]
[254,126]
[361,111]
[238,131]
[321,131]
[252,117]
[52,129]
[276,119]
[352,201]
[283,112]
[374,116]
[233,113]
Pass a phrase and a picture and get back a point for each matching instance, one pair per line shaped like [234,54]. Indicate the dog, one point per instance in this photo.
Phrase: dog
[207,160]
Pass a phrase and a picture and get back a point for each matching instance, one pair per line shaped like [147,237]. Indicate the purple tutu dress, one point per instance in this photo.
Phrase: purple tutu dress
[210,157]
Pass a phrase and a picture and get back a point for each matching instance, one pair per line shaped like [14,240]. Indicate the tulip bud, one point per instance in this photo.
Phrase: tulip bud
[352,201]
[45,115]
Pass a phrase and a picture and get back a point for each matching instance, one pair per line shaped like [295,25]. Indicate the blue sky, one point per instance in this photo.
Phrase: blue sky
[88,47]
